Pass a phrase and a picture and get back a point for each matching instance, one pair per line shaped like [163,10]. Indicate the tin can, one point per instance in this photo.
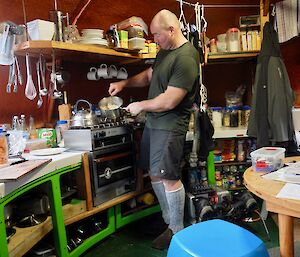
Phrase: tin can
[49,134]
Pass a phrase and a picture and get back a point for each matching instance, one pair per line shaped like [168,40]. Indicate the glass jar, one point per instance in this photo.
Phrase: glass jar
[233,40]
[234,117]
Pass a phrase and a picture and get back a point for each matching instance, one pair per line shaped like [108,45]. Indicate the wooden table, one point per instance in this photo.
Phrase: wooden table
[285,208]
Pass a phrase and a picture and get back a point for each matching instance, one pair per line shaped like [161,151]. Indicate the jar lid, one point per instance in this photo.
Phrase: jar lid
[216,108]
[60,122]
[233,30]
[247,107]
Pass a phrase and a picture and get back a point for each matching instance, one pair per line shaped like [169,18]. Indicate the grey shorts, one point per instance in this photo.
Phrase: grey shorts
[161,153]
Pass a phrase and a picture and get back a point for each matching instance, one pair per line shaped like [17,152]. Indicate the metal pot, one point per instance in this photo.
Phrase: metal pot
[83,118]
[110,107]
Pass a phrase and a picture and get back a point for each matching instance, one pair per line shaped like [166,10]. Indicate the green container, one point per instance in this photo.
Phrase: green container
[49,134]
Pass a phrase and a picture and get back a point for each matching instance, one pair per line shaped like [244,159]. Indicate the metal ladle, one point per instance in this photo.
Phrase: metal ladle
[40,101]
[44,90]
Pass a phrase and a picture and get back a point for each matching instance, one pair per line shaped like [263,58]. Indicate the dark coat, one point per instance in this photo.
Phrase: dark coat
[271,114]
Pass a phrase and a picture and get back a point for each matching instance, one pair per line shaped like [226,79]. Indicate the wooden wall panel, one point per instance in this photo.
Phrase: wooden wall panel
[101,14]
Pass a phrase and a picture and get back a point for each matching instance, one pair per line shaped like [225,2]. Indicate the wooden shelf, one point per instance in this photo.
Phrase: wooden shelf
[81,215]
[229,163]
[78,52]
[231,56]
[25,238]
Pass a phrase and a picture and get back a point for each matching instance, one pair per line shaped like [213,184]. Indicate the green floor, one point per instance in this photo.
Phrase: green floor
[135,240]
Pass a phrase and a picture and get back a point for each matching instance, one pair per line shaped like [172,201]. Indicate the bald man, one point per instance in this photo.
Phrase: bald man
[173,80]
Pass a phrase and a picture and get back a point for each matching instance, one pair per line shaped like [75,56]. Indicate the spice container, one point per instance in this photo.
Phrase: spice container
[234,118]
[226,117]
[217,116]
[247,110]
[213,45]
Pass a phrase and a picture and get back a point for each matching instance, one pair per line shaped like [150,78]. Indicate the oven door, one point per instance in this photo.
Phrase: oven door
[113,167]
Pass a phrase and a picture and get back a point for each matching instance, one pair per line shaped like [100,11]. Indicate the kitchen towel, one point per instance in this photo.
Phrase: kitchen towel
[287,19]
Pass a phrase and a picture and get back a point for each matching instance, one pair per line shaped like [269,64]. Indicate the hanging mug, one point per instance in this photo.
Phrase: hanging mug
[122,73]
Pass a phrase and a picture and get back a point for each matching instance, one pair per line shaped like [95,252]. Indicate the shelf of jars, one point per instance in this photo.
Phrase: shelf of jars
[231,56]
[78,52]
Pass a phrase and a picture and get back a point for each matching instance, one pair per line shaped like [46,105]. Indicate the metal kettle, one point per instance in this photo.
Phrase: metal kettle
[84,117]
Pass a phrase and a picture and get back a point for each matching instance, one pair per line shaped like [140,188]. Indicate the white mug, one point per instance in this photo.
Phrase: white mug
[103,71]
[92,74]
[122,73]
[112,71]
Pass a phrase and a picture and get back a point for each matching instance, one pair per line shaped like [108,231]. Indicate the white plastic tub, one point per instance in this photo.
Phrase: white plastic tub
[136,43]
[267,159]
[40,29]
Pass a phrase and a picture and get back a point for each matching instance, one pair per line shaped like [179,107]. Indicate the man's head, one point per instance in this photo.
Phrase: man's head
[165,28]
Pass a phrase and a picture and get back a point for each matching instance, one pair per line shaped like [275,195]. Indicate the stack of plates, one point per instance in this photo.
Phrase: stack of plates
[93,37]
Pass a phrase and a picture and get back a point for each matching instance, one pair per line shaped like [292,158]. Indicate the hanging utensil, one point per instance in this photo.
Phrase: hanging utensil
[20,77]
[42,61]
[8,86]
[55,92]
[14,78]
[40,101]
[30,91]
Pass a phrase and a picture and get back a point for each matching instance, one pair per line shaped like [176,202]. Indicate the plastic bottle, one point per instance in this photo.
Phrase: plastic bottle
[22,122]
[15,123]
[32,128]
[3,147]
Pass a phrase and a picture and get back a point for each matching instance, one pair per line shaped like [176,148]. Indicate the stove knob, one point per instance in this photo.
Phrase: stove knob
[101,134]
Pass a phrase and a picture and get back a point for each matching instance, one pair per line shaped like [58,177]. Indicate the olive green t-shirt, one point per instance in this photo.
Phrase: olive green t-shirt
[176,68]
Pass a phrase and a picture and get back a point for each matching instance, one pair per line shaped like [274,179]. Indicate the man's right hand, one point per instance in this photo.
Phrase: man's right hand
[116,87]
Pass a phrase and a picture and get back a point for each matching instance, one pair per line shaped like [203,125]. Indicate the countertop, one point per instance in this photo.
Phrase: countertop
[58,161]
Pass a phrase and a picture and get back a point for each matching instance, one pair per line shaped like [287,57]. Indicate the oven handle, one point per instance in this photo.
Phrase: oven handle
[107,174]
[112,157]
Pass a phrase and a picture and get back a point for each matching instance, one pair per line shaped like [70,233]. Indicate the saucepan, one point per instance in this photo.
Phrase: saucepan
[110,107]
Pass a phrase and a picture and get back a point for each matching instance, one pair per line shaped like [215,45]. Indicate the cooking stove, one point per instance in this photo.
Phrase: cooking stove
[111,156]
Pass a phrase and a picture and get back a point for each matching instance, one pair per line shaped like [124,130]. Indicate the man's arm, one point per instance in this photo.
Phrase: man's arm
[140,80]
[163,102]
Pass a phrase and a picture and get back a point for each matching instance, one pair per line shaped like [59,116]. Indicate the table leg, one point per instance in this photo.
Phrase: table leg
[286,235]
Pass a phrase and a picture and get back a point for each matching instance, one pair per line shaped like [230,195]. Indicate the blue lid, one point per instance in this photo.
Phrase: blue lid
[1,130]
[216,108]
[59,122]
[247,107]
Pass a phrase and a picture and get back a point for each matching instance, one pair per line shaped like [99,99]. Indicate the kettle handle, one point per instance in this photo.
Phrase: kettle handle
[84,101]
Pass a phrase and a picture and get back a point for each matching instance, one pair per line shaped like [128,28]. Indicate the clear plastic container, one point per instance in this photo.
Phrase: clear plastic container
[133,21]
[136,43]
[267,159]
[233,40]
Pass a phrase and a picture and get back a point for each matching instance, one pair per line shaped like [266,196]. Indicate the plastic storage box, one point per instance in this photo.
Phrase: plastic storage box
[40,30]
[136,43]
[267,159]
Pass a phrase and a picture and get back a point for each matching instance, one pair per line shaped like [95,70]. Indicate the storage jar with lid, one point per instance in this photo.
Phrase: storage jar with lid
[233,40]
[217,116]
[234,117]
[61,127]
[136,43]
[213,45]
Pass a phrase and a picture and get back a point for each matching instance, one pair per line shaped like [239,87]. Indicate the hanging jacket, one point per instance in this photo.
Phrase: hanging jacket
[271,114]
